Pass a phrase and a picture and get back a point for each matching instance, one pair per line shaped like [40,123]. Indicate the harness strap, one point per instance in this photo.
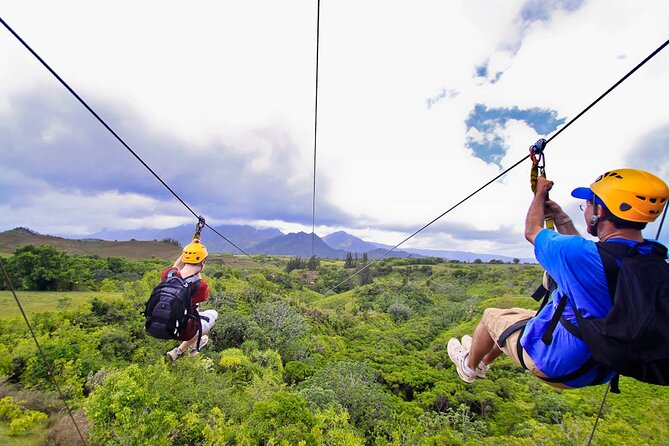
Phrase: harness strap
[519,347]
[585,368]
[516,326]
[520,325]
[544,291]
[547,337]
[571,328]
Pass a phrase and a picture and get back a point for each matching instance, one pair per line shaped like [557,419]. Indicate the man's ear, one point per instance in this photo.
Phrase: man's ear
[601,211]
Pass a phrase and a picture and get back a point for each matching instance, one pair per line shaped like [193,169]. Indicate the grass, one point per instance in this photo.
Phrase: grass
[33,436]
[133,249]
[39,301]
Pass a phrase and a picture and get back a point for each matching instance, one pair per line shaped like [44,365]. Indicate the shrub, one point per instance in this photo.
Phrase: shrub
[19,418]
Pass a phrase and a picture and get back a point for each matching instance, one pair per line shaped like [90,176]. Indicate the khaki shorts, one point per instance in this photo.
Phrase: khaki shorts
[497,320]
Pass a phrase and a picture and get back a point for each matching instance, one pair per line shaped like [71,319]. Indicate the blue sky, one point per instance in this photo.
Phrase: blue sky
[419,104]
[487,124]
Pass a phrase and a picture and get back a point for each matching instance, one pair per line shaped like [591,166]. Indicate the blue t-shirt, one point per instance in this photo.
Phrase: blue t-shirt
[575,264]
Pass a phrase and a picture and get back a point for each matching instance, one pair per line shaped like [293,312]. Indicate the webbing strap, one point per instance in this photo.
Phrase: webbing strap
[519,348]
[547,337]
[571,328]
[585,368]
[539,169]
[510,330]
[516,326]
[609,253]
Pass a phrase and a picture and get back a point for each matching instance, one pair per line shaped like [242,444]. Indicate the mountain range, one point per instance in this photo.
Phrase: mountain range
[272,241]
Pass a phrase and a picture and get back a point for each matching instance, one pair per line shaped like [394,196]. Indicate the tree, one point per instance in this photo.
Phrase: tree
[353,386]
[294,263]
[43,268]
[349,263]
[278,326]
[313,263]
[365,272]
[516,260]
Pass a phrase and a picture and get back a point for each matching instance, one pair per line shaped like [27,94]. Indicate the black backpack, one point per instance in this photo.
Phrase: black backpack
[633,338]
[170,307]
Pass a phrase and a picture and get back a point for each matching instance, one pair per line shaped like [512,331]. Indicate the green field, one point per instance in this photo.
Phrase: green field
[38,301]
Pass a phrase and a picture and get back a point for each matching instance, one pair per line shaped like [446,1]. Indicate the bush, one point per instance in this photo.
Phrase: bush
[295,372]
[354,387]
[19,418]
[400,311]
[278,326]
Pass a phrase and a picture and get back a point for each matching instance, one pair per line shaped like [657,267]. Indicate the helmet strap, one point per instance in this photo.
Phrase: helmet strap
[594,222]
[596,219]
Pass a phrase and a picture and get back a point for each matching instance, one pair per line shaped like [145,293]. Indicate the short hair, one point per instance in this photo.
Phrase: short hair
[618,222]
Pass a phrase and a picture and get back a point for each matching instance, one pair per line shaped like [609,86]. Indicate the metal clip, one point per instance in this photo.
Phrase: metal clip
[198,227]
[537,153]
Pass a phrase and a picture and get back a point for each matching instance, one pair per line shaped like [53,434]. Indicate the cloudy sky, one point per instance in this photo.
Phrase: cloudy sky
[420,103]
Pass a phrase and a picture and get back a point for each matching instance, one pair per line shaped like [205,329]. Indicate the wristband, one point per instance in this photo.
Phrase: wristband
[563,221]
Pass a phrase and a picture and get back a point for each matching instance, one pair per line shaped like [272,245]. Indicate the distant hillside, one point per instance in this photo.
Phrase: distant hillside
[243,236]
[347,242]
[465,256]
[297,244]
[269,241]
[15,238]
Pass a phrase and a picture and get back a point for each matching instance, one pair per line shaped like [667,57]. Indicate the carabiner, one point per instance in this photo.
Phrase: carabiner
[537,153]
[198,227]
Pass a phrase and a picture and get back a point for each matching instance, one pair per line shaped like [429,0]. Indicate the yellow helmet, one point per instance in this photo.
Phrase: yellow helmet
[194,253]
[630,194]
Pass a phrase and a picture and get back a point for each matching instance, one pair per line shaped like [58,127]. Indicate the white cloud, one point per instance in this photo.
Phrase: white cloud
[81,214]
[241,75]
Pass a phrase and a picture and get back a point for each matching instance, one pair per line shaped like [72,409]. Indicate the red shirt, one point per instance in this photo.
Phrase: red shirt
[200,295]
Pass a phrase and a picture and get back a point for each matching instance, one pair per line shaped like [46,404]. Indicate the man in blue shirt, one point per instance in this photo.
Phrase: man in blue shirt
[618,206]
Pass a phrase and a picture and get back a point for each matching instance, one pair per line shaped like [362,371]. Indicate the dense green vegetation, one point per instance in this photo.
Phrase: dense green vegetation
[293,362]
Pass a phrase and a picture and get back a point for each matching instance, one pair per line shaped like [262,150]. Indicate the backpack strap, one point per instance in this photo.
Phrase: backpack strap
[194,282]
[610,253]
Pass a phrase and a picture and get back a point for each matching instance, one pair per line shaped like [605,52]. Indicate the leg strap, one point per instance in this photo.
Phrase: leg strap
[516,326]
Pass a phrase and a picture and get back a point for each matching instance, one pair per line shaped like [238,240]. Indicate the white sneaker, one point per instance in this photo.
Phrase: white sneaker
[193,351]
[458,355]
[482,368]
[174,354]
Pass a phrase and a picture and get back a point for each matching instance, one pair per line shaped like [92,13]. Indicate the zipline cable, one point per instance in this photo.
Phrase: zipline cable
[102,121]
[659,229]
[614,86]
[41,352]
[431,222]
[313,200]
[599,414]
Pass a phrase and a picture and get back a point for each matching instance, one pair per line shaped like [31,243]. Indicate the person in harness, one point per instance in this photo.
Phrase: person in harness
[617,206]
[189,266]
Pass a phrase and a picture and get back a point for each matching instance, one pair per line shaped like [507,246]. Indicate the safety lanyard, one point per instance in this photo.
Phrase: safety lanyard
[539,169]
[198,227]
